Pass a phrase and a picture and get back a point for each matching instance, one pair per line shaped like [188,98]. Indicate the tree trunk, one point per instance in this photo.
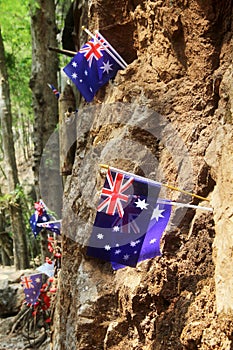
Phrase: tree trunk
[6,245]
[21,260]
[44,71]
[67,130]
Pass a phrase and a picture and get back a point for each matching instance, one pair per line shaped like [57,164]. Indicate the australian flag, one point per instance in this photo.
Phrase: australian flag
[158,222]
[40,216]
[47,269]
[54,90]
[53,226]
[92,67]
[122,219]
[31,285]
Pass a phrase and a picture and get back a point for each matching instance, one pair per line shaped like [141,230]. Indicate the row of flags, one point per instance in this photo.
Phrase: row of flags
[129,223]
[131,217]
[34,289]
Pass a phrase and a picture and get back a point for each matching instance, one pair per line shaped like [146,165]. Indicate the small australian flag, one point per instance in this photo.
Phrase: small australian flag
[31,285]
[91,68]
[122,219]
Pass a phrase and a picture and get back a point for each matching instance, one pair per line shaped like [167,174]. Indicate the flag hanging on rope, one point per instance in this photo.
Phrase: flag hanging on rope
[31,285]
[151,244]
[92,67]
[53,226]
[40,216]
[122,219]
[54,90]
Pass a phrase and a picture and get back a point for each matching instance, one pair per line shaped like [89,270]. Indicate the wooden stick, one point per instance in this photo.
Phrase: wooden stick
[165,185]
[63,52]
[185,192]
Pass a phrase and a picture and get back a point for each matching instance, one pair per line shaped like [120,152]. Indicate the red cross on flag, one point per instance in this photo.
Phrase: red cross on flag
[115,194]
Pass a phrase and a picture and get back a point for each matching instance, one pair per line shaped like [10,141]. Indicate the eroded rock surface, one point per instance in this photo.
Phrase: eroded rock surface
[168,116]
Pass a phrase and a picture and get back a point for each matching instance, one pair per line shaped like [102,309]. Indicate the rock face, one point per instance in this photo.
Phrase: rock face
[10,298]
[11,292]
[168,116]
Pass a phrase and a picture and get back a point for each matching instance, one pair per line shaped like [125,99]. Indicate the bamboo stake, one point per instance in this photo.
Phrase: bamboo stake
[63,52]
[155,182]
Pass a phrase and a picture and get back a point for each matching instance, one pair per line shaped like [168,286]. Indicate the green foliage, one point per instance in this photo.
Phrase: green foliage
[14,198]
[18,198]
[15,27]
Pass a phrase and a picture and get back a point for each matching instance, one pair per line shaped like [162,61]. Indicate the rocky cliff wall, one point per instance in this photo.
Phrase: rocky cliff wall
[168,116]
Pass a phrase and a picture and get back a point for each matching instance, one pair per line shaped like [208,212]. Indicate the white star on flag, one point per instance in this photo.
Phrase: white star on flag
[157,213]
[74,64]
[107,247]
[126,257]
[74,75]
[116,229]
[106,67]
[141,204]
[152,241]
[100,236]
[118,251]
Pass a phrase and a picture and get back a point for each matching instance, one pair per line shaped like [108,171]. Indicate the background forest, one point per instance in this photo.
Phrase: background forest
[29,115]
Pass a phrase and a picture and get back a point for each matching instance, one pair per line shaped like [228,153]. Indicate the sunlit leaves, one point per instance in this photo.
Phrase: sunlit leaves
[15,27]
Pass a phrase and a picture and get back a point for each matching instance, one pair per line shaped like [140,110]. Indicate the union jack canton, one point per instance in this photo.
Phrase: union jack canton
[31,285]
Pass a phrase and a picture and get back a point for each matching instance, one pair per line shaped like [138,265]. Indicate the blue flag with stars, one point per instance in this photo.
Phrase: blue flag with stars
[122,219]
[53,226]
[31,285]
[158,222]
[40,216]
[91,68]
[54,90]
